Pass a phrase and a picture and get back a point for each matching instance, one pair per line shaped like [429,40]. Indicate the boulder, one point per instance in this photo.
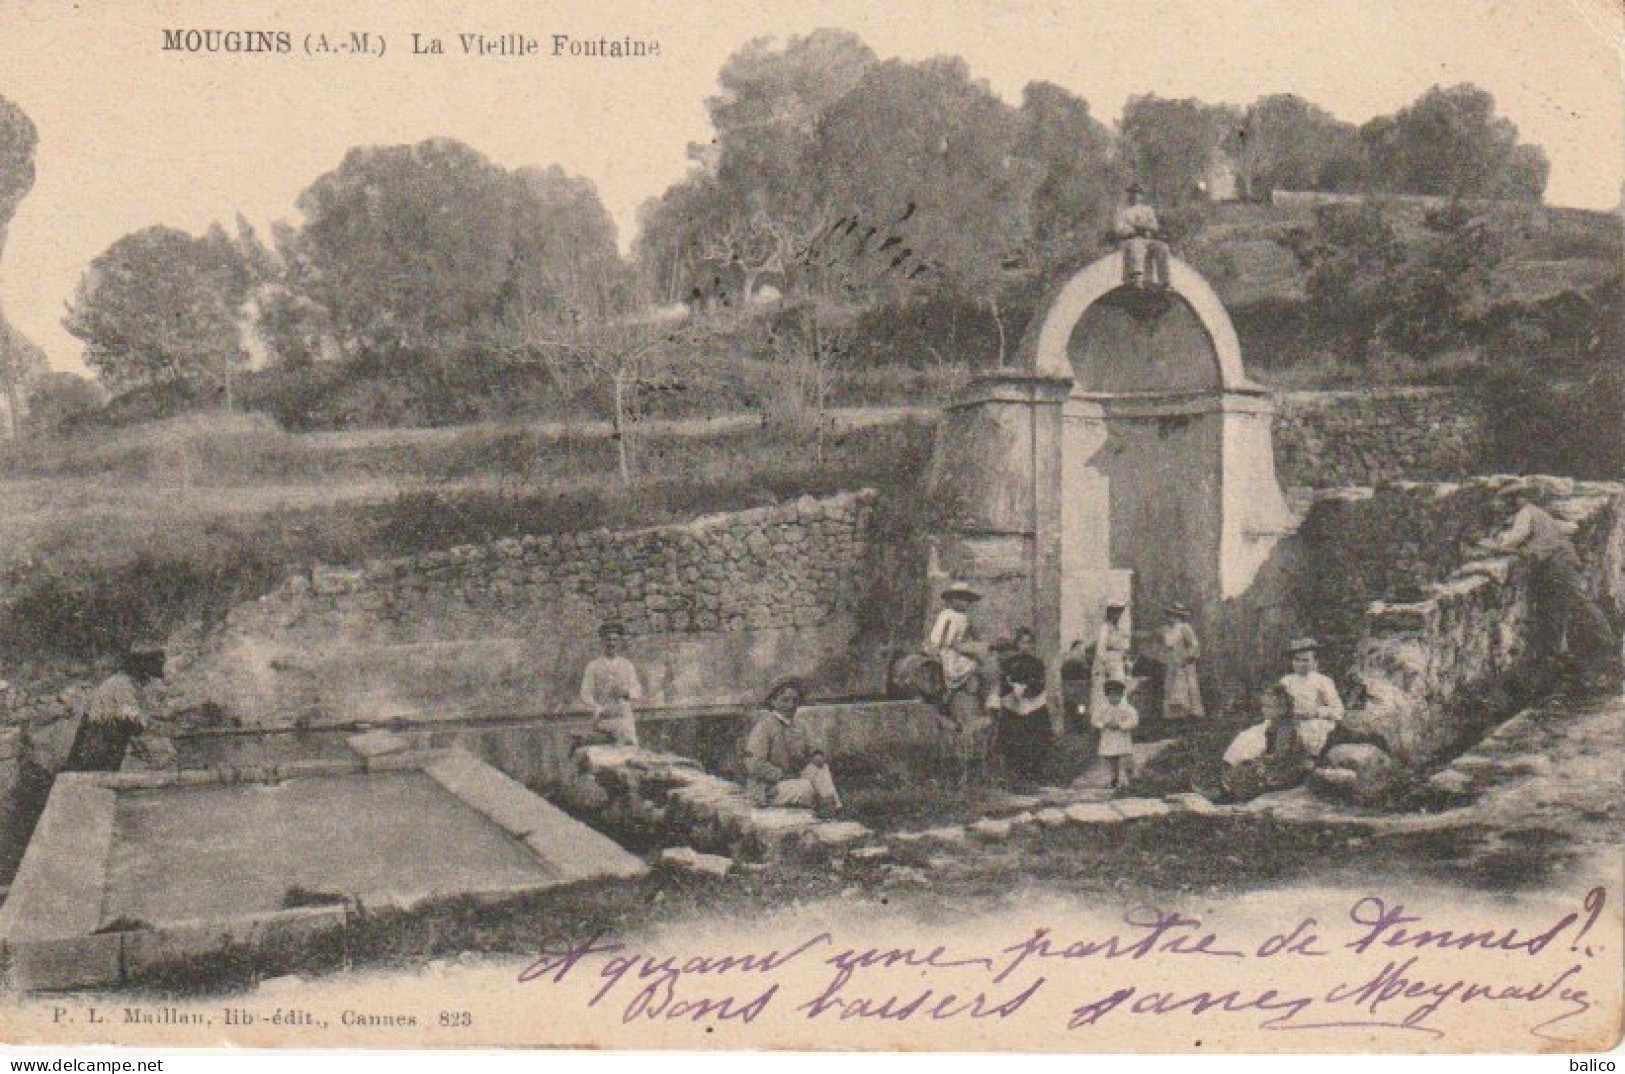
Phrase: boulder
[1334,782]
[1093,813]
[690,862]
[1191,802]
[1361,757]
[839,833]
[944,835]
[1139,808]
[1451,782]
[991,830]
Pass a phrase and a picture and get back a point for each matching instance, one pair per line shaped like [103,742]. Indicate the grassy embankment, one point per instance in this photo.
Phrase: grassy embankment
[127,535]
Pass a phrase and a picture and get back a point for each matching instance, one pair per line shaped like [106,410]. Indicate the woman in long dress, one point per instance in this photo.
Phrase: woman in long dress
[1111,655]
[1181,690]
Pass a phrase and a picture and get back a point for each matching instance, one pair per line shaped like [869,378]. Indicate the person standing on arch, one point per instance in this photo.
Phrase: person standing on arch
[1145,253]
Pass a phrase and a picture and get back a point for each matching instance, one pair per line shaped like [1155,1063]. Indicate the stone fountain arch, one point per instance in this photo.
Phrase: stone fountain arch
[1126,455]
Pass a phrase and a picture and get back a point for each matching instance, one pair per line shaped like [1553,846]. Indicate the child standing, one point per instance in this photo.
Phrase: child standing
[1116,720]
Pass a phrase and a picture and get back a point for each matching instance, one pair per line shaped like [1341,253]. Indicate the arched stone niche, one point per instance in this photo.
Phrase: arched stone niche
[1127,455]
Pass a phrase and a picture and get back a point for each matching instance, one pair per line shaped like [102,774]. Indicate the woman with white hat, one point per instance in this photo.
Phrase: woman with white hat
[1316,708]
[1111,654]
[954,643]
[1181,691]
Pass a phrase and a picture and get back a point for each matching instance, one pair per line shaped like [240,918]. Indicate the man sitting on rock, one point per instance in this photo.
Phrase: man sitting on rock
[782,765]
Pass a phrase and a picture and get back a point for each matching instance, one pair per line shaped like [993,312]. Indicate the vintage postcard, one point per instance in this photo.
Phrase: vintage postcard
[940,525]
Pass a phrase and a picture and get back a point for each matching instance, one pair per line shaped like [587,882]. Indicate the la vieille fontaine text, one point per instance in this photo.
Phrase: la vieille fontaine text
[501,45]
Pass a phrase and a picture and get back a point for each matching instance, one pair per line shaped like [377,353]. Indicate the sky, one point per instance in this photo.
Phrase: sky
[133,135]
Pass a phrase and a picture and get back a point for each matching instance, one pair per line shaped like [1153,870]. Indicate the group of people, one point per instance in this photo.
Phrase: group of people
[783,764]
[994,699]
[1000,691]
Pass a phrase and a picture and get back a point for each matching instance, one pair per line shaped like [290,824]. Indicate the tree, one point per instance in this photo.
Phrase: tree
[1287,143]
[1443,293]
[1353,257]
[1072,205]
[1168,142]
[713,236]
[159,306]
[18,139]
[615,339]
[1450,143]
[21,362]
[415,249]
[925,155]
[768,111]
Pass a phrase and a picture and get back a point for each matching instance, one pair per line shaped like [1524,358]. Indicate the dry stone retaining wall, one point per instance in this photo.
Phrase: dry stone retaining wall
[1331,439]
[715,610]
[1419,620]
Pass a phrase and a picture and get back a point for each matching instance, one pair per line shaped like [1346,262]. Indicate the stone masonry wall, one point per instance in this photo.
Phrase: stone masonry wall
[1331,439]
[715,610]
[1418,621]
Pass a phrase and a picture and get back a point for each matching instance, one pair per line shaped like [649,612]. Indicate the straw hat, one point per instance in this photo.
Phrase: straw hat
[789,682]
[962,590]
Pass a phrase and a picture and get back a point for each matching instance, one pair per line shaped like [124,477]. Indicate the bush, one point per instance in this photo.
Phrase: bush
[56,400]
[1537,426]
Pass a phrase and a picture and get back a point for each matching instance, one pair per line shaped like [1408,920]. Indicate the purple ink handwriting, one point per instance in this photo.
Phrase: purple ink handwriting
[1383,966]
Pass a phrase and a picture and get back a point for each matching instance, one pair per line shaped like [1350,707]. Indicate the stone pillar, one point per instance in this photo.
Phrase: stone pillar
[996,479]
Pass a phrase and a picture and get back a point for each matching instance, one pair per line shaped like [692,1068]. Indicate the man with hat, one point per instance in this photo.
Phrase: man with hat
[783,767]
[1145,254]
[610,686]
[1561,604]
[1315,706]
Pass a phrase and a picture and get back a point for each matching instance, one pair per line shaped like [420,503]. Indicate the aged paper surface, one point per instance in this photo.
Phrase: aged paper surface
[489,901]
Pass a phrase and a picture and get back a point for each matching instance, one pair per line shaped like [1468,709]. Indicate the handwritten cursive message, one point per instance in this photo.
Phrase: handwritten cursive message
[1382,967]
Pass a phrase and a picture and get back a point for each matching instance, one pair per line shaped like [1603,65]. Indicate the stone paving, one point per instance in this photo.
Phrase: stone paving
[1555,767]
[706,810]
